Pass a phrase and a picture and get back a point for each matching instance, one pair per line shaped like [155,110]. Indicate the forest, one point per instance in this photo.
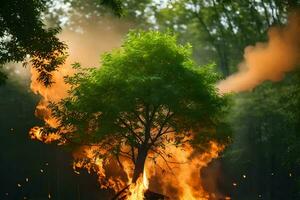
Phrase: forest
[150,99]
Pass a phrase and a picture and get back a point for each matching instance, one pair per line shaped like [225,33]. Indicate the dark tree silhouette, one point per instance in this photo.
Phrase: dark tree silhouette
[23,34]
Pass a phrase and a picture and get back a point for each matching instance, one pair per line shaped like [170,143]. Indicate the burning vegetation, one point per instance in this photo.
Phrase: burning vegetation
[146,122]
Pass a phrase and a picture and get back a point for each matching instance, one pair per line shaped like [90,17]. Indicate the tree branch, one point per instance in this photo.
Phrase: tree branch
[139,117]
[131,130]
[132,154]
[159,133]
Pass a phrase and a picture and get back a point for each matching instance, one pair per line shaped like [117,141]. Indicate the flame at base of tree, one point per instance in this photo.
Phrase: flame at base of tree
[175,174]
[137,190]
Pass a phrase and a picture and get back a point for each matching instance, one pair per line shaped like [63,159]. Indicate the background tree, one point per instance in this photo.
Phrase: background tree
[147,94]
[219,30]
[266,139]
[24,35]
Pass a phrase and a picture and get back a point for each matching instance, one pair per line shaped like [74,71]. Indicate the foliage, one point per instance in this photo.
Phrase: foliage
[220,29]
[23,34]
[99,6]
[266,140]
[136,11]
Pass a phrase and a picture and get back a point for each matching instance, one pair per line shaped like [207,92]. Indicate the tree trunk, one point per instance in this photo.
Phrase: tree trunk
[224,65]
[140,163]
[138,170]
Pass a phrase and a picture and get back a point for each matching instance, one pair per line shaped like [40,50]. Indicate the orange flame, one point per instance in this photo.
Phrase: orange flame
[35,133]
[87,157]
[182,181]
[137,190]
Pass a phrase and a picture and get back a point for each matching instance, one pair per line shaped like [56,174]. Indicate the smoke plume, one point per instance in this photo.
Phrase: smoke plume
[269,60]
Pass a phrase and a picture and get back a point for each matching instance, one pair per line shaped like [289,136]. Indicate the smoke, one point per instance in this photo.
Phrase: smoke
[16,73]
[267,61]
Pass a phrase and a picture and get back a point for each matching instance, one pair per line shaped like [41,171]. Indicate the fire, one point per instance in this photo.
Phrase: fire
[145,180]
[177,178]
[182,179]
[36,134]
[137,190]
[88,157]
[43,112]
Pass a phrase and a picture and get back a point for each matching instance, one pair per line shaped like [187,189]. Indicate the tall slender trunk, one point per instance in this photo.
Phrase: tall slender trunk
[140,163]
[223,62]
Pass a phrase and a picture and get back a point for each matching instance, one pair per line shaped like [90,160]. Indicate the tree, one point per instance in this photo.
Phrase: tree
[220,29]
[147,94]
[92,12]
[266,140]
[24,35]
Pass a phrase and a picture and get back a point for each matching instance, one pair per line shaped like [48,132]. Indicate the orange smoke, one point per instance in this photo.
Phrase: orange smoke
[267,61]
